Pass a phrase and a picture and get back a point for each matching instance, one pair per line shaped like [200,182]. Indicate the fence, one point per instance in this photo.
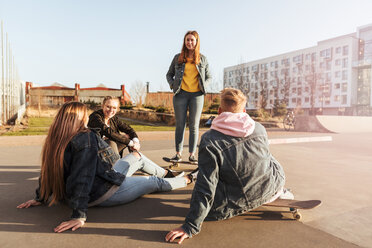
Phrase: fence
[12,102]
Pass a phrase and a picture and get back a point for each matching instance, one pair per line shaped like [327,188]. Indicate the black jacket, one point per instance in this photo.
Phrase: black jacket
[112,132]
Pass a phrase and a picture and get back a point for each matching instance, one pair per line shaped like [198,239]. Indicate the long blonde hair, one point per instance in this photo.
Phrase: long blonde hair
[69,121]
[196,55]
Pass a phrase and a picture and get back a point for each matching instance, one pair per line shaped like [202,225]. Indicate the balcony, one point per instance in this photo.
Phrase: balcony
[362,64]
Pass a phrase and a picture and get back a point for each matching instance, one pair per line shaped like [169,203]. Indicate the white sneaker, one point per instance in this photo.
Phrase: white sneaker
[286,194]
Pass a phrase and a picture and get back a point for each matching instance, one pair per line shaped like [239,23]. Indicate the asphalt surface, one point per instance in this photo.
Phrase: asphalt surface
[337,171]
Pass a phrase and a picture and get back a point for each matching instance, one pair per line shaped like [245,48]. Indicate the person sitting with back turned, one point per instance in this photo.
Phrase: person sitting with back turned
[237,172]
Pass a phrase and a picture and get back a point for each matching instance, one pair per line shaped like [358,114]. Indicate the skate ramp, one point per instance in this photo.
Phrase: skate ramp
[334,124]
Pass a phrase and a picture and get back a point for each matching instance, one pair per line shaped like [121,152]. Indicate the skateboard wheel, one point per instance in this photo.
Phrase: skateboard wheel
[297,216]
[175,165]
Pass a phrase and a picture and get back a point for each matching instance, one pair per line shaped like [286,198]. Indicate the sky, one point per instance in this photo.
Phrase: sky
[126,42]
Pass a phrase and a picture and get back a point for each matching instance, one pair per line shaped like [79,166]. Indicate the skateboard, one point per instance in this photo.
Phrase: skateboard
[176,164]
[294,205]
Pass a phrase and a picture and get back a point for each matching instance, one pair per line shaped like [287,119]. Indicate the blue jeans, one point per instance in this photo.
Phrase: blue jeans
[137,186]
[193,101]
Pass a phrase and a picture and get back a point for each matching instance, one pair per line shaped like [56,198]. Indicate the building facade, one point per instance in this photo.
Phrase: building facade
[56,95]
[333,77]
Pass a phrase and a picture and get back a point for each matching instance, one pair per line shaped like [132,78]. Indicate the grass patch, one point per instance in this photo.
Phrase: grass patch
[34,122]
[36,126]
[40,126]
[139,128]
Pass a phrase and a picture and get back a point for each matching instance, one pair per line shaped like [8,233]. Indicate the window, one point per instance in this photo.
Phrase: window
[285,62]
[307,99]
[274,64]
[337,74]
[338,49]
[294,69]
[326,53]
[307,89]
[345,50]
[326,88]
[322,65]
[337,86]
[329,65]
[284,72]
[308,56]
[327,100]
[293,100]
[344,62]
[307,67]
[337,98]
[328,76]
[299,91]
[313,56]
[264,75]
[338,62]
[254,67]
[344,99]
[294,90]
[298,101]
[344,75]
[298,59]
[344,87]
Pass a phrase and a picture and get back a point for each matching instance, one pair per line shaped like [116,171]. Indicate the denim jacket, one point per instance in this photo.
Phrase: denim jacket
[175,74]
[236,174]
[88,172]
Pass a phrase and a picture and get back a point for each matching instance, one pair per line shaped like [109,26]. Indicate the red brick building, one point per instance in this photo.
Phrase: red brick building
[57,94]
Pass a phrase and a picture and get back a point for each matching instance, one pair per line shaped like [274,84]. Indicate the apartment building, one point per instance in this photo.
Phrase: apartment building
[333,77]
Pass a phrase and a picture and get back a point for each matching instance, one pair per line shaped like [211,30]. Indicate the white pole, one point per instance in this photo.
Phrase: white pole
[2,72]
[7,76]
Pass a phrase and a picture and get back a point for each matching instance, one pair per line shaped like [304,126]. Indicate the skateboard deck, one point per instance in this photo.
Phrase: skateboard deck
[294,205]
[176,164]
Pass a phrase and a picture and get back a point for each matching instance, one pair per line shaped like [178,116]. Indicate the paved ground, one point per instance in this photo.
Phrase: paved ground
[338,172]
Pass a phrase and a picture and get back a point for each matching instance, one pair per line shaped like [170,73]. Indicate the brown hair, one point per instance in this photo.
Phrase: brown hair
[232,100]
[196,55]
[107,98]
[70,120]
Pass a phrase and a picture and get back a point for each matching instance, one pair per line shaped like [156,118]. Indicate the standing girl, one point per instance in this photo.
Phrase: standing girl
[188,76]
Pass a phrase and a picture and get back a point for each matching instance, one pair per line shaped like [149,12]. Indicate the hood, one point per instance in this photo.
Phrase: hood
[234,124]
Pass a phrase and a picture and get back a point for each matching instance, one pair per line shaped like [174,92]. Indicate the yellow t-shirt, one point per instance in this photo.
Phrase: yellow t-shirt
[190,80]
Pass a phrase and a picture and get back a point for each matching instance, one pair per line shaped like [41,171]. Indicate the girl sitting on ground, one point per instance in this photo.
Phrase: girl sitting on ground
[79,167]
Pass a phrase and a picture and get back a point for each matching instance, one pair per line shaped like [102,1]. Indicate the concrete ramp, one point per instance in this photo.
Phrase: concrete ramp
[332,123]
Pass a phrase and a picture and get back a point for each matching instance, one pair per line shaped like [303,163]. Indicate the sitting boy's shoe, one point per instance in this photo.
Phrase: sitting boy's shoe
[192,159]
[172,173]
[176,158]
[287,194]
[193,175]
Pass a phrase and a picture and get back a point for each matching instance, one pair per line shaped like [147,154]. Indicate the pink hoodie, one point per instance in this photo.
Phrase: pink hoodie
[234,124]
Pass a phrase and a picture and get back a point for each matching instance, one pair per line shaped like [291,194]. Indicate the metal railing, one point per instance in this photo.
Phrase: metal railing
[12,89]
